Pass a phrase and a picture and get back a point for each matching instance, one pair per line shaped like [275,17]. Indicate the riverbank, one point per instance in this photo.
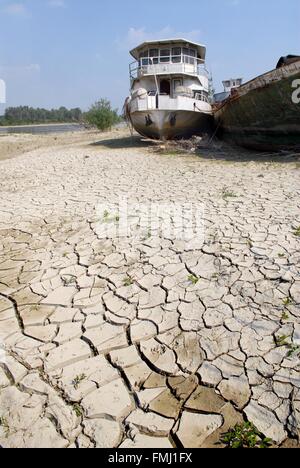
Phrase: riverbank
[12,145]
[36,129]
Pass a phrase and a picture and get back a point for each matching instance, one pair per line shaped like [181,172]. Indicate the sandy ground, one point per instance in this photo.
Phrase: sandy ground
[147,340]
[15,144]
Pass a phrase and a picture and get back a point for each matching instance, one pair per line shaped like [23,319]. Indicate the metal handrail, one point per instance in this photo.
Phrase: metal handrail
[137,66]
[199,96]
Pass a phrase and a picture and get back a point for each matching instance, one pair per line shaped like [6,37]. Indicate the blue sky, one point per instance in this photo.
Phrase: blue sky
[72,52]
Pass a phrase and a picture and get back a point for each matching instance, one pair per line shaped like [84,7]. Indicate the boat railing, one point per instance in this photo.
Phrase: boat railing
[199,95]
[195,95]
[162,65]
[268,78]
[164,101]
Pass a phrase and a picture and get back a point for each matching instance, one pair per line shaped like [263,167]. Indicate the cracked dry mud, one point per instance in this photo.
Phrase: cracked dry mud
[108,342]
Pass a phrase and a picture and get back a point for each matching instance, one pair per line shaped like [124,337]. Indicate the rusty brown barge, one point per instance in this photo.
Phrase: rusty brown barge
[264,114]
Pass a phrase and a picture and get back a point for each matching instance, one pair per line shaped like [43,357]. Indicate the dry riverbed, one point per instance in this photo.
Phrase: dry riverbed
[144,341]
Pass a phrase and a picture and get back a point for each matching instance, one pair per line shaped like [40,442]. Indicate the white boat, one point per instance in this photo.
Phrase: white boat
[169,90]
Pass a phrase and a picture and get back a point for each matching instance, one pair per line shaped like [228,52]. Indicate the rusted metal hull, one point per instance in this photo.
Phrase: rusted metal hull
[262,115]
[171,125]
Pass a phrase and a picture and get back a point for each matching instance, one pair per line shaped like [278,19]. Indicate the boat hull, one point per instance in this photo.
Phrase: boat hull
[171,125]
[264,118]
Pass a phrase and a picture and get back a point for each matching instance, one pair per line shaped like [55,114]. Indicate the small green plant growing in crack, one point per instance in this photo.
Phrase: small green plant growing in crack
[297,232]
[287,301]
[105,215]
[78,410]
[128,281]
[4,424]
[280,341]
[250,243]
[227,193]
[281,255]
[147,236]
[68,280]
[78,380]
[246,436]
[285,316]
[293,351]
[193,279]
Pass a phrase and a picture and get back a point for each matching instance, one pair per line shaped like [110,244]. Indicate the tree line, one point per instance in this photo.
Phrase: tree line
[23,115]
[100,115]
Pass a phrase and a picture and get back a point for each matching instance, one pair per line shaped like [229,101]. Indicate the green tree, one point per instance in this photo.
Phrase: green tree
[102,116]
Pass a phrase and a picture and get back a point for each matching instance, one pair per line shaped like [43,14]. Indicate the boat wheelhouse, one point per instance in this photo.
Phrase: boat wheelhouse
[169,90]
[229,86]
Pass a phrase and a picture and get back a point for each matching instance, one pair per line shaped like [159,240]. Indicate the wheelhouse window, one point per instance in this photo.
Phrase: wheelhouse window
[153,54]
[189,55]
[144,60]
[176,55]
[165,55]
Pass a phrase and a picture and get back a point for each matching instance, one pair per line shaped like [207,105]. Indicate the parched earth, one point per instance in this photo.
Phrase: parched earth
[147,341]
